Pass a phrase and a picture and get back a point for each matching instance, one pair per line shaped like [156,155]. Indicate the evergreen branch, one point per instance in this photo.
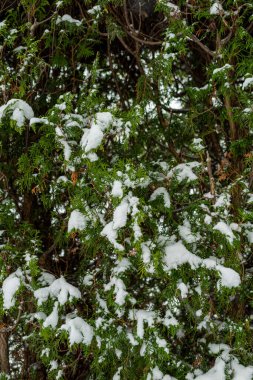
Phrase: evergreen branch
[202,46]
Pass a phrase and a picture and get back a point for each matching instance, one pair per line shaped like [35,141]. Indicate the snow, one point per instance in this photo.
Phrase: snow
[87,280]
[142,316]
[222,201]
[223,68]
[119,290]
[117,191]
[53,365]
[94,10]
[145,253]
[176,254]
[62,139]
[184,171]
[198,144]
[2,24]
[10,286]
[169,319]
[46,278]
[76,221]
[111,234]
[121,266]
[247,82]
[161,342]
[157,374]
[103,120]
[215,373]
[59,289]
[186,234]
[216,8]
[38,120]
[249,235]
[52,319]
[20,111]
[79,331]
[61,106]
[117,283]
[241,372]
[161,191]
[18,116]
[222,363]
[93,136]
[131,339]
[174,9]
[117,374]
[229,278]
[183,289]
[120,215]
[69,19]
[226,230]
[102,303]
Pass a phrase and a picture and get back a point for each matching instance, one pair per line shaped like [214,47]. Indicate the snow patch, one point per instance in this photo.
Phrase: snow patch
[117,191]
[59,289]
[184,171]
[20,111]
[79,331]
[247,82]
[176,254]
[161,191]
[226,230]
[10,286]
[69,19]
[76,221]
[216,8]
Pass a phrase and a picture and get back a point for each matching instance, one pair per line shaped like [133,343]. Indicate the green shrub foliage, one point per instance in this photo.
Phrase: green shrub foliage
[126,189]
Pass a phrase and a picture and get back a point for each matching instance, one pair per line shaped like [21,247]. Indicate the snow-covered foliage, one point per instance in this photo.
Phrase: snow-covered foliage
[125,223]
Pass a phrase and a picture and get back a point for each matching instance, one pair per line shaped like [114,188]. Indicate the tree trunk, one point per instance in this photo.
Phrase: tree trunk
[4,352]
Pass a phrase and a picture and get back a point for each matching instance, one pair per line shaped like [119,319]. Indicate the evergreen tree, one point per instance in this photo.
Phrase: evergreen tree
[126,188]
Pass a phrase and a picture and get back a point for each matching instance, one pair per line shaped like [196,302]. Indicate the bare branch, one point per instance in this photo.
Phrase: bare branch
[202,46]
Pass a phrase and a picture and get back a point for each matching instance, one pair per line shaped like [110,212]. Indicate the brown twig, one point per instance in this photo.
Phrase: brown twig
[232,125]
[210,174]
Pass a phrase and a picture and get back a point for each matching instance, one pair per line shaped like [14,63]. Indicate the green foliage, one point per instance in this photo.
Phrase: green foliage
[126,189]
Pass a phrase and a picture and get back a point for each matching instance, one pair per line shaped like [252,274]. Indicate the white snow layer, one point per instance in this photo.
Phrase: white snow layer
[52,319]
[20,111]
[141,316]
[226,230]
[59,289]
[186,233]
[63,141]
[247,82]
[117,189]
[224,361]
[120,215]
[93,136]
[216,8]
[112,234]
[10,286]
[184,171]
[76,221]
[38,120]
[161,191]
[69,19]
[79,331]
[119,290]
[117,374]
[176,254]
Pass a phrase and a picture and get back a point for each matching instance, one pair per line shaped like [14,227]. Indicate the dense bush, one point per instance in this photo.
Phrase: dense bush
[126,190]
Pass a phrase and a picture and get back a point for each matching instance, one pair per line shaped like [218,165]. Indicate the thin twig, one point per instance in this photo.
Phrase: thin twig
[202,46]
